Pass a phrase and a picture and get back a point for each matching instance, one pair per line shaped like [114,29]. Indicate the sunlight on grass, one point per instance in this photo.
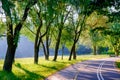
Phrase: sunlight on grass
[25,69]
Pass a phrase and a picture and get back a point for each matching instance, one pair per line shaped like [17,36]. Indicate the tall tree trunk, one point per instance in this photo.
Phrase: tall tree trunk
[76,38]
[63,19]
[47,46]
[36,52]
[9,58]
[63,47]
[57,44]
[94,49]
[71,52]
[36,46]
[74,52]
[37,40]
[36,49]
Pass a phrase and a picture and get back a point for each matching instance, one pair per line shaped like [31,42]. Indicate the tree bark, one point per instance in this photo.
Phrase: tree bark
[72,51]
[63,47]
[36,45]
[47,46]
[94,49]
[37,39]
[57,44]
[45,54]
[9,58]
[36,52]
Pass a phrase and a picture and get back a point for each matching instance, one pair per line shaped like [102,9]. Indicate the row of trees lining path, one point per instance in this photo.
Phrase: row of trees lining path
[62,22]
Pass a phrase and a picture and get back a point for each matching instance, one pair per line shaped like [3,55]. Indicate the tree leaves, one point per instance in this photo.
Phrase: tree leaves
[95,20]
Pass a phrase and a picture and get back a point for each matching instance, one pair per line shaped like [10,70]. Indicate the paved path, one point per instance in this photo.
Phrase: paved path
[103,69]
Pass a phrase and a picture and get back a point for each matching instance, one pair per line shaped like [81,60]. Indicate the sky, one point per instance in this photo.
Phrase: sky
[2,15]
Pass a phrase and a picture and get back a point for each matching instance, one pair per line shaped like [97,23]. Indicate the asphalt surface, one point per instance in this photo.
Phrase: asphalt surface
[103,69]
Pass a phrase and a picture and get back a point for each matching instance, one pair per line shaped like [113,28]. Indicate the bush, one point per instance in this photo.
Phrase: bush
[102,50]
[118,64]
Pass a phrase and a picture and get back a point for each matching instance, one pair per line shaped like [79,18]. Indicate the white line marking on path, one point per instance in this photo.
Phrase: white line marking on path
[99,74]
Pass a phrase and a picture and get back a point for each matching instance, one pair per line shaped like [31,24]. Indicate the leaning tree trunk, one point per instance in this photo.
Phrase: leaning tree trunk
[76,38]
[9,58]
[57,44]
[44,50]
[59,34]
[72,50]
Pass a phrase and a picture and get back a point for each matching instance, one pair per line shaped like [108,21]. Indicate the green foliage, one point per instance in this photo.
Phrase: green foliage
[2,28]
[115,29]
[28,33]
[6,6]
[102,50]
[113,36]
[118,63]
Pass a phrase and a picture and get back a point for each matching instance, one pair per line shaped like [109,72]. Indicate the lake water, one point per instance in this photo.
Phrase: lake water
[26,49]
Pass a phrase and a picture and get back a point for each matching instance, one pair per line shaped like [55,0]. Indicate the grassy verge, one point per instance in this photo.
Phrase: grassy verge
[24,69]
[118,64]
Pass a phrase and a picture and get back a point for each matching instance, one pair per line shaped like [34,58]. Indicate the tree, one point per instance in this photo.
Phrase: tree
[113,35]
[48,17]
[13,33]
[66,39]
[82,11]
[95,38]
[39,25]
[93,21]
[61,19]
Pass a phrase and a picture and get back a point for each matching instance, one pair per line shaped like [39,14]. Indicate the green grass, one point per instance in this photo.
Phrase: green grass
[118,64]
[25,69]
